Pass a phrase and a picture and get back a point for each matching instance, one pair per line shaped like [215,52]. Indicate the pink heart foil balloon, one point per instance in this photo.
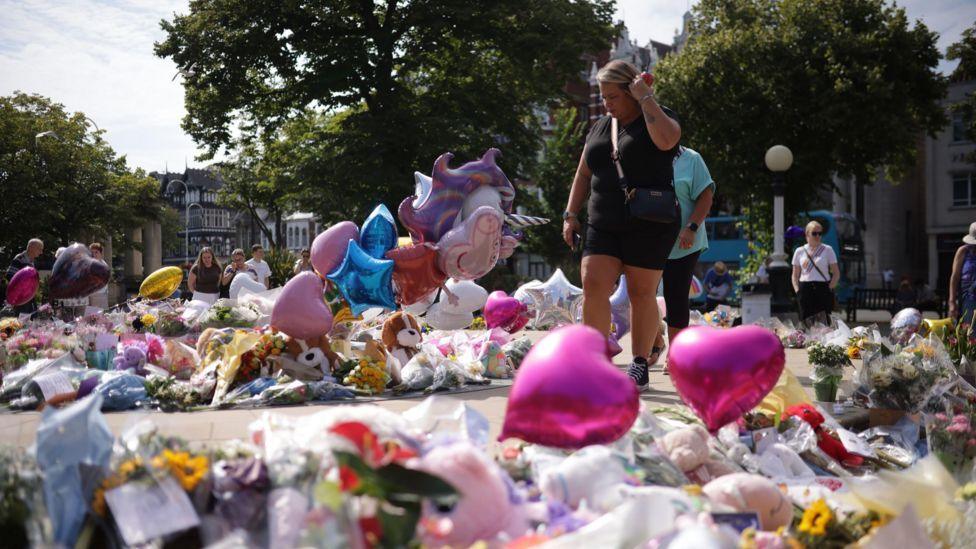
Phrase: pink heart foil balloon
[722,374]
[23,285]
[300,310]
[470,250]
[568,394]
[329,248]
[507,313]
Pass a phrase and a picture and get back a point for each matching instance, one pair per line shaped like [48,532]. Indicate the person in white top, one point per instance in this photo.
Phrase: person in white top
[259,265]
[815,274]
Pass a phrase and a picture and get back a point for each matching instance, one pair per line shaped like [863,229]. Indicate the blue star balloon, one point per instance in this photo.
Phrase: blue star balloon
[379,233]
[364,281]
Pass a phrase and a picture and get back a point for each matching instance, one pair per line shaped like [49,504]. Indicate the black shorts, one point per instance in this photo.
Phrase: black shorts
[646,246]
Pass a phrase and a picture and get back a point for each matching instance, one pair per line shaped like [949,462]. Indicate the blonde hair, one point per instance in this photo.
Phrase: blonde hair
[812,225]
[619,72]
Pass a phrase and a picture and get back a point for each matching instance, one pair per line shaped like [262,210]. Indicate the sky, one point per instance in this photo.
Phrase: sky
[96,56]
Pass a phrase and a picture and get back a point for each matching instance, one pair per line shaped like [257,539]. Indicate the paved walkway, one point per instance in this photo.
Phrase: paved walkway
[19,428]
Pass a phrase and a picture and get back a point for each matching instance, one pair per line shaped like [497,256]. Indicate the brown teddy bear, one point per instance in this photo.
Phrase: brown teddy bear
[687,448]
[401,336]
[308,359]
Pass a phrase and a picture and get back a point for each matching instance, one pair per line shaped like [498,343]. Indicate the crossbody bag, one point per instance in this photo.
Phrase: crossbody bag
[656,205]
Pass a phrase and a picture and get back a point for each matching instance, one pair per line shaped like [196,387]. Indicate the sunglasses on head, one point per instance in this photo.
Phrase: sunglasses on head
[816,233]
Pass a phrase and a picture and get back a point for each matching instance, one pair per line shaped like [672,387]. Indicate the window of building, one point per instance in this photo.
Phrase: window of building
[304,237]
[963,189]
[959,126]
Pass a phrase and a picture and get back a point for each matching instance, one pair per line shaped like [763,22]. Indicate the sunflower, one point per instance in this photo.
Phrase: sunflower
[185,469]
[148,319]
[815,518]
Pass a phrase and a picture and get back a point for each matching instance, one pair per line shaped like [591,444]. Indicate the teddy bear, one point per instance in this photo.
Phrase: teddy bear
[131,358]
[688,449]
[489,507]
[593,474]
[401,336]
[831,446]
[308,359]
[745,492]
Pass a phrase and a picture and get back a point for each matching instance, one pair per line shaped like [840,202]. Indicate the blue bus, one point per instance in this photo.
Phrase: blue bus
[842,232]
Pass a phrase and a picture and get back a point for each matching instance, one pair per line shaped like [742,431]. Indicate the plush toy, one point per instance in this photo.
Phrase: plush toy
[131,358]
[688,449]
[825,440]
[488,508]
[746,492]
[401,336]
[308,359]
[593,474]
[779,461]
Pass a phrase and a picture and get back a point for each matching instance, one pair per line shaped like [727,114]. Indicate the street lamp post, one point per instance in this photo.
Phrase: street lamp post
[779,158]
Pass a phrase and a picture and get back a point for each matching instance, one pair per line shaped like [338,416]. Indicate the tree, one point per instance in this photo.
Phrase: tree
[553,177]
[964,51]
[848,85]
[61,182]
[381,88]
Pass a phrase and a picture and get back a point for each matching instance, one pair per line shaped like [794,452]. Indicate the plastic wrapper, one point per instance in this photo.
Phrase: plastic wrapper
[66,439]
[905,377]
[894,444]
[122,392]
[179,359]
[328,389]
[516,350]
[101,360]
[240,488]
[230,361]
[292,392]
[14,382]
[449,417]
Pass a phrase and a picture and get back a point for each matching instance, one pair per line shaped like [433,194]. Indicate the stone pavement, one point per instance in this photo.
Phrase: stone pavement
[19,428]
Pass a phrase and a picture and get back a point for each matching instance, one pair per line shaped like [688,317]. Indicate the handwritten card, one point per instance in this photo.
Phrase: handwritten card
[144,512]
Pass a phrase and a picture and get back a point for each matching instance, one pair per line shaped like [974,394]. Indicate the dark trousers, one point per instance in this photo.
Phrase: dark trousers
[677,284]
[815,298]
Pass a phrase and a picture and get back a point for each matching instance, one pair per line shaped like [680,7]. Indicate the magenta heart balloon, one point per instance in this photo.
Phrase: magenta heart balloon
[76,273]
[507,313]
[722,374]
[23,286]
[300,310]
[329,248]
[568,394]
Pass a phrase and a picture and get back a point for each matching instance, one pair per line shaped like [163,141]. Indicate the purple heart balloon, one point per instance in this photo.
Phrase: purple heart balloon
[300,310]
[76,273]
[329,248]
[720,385]
[507,313]
[568,394]
[23,285]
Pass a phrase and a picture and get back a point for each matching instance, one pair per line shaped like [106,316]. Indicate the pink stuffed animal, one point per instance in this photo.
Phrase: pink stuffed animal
[688,449]
[486,509]
[745,492]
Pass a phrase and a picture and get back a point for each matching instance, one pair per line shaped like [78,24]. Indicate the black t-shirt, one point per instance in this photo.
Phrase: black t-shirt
[643,163]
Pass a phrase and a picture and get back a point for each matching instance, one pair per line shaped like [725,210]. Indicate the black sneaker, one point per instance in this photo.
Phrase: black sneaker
[638,373]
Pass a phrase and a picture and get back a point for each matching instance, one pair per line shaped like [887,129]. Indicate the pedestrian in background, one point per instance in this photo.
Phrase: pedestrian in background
[815,274]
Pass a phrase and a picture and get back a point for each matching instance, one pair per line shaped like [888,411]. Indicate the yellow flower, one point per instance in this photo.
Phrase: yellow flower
[188,471]
[128,467]
[815,518]
[148,319]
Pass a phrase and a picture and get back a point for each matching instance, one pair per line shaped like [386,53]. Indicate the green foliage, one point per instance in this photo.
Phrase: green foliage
[964,51]
[828,356]
[66,185]
[757,226]
[554,177]
[282,263]
[848,85]
[359,95]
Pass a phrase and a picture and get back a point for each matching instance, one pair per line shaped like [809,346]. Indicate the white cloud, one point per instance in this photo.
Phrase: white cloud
[96,57]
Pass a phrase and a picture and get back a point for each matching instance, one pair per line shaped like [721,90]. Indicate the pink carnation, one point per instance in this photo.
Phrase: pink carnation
[958,428]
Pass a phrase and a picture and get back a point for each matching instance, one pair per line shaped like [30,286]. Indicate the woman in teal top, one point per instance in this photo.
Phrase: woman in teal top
[695,189]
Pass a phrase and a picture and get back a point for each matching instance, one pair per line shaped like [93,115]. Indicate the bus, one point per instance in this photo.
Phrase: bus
[842,232]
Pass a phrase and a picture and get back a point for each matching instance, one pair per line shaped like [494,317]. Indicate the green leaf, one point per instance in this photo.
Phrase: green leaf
[399,529]
[401,480]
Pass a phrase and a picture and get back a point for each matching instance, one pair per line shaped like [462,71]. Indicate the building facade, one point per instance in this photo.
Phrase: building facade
[951,193]
[193,194]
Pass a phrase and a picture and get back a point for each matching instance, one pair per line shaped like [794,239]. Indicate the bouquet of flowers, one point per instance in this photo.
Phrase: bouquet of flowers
[24,346]
[796,339]
[223,315]
[828,362]
[903,378]
[9,326]
[253,362]
[171,324]
[960,342]
[952,439]
[817,526]
[368,375]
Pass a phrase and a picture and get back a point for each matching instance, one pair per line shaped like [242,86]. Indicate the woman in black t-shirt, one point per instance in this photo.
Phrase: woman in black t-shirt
[615,242]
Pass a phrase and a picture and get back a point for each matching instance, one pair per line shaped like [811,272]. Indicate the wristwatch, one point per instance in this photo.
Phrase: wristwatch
[692,226]
[568,214]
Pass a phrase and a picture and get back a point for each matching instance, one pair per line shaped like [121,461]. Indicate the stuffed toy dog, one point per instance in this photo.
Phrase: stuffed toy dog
[401,336]
[308,359]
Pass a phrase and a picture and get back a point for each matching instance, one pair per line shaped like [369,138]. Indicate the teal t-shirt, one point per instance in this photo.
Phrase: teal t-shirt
[691,178]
